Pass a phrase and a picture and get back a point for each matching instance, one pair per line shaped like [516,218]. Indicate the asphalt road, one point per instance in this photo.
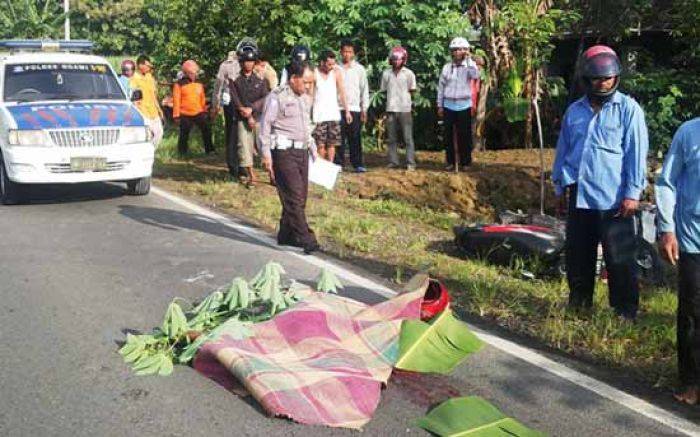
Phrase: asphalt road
[81,264]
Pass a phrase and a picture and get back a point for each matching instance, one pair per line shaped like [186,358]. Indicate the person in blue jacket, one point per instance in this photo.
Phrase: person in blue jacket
[678,200]
[601,165]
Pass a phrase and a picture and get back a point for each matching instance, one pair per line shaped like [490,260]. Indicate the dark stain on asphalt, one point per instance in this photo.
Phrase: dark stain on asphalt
[134,394]
[424,389]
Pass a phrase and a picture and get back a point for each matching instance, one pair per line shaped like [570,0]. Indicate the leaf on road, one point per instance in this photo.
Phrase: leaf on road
[327,282]
[174,322]
[435,347]
[474,417]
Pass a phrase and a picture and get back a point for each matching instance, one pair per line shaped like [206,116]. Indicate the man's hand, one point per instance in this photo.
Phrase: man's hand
[441,112]
[267,165]
[245,112]
[176,120]
[363,117]
[348,117]
[669,247]
[251,123]
[628,208]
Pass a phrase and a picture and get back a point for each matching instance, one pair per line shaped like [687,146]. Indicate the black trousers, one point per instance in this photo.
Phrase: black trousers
[461,123]
[351,135]
[186,124]
[688,328]
[231,139]
[585,228]
[291,168]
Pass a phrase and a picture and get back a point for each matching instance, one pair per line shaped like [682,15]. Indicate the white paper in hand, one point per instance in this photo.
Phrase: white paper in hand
[323,173]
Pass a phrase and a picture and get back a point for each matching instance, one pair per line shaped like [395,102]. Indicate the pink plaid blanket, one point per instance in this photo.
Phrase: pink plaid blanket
[321,362]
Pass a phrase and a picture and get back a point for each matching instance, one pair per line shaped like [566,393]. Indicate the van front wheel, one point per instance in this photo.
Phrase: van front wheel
[9,191]
[138,187]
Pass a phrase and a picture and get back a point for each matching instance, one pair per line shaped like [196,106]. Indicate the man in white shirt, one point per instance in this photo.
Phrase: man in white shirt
[329,90]
[357,97]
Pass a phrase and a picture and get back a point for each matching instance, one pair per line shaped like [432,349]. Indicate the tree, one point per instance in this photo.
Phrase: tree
[516,33]
[31,19]
[206,31]
[115,26]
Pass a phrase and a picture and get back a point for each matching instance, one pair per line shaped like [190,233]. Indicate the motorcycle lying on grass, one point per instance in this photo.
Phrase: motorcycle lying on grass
[534,245]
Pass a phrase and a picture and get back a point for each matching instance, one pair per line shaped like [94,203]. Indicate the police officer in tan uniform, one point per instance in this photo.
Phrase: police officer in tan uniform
[285,146]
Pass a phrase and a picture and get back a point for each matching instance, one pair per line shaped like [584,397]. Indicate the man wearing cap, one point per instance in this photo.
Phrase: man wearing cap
[190,108]
[148,105]
[601,164]
[399,83]
[248,93]
[678,199]
[454,103]
[285,146]
[228,72]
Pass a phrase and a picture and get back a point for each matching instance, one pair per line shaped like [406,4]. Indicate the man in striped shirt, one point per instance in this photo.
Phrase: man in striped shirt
[454,103]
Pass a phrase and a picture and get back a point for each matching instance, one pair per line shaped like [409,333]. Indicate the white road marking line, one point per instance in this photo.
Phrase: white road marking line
[204,274]
[602,389]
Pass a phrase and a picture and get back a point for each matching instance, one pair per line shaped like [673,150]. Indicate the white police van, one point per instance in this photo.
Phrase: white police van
[64,118]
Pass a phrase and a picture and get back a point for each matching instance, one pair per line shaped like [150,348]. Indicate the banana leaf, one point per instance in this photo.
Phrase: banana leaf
[515,108]
[435,347]
[473,417]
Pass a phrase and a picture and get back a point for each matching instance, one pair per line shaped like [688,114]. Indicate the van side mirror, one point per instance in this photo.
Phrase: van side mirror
[136,95]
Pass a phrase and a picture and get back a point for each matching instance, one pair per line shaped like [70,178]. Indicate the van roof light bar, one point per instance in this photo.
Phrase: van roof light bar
[31,45]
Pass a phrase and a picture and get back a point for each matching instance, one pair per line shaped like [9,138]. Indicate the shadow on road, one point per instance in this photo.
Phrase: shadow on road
[173,220]
[40,194]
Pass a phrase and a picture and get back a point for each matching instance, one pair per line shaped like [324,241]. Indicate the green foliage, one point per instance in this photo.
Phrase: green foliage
[206,31]
[182,333]
[669,98]
[32,19]
[118,26]
[327,282]
[472,416]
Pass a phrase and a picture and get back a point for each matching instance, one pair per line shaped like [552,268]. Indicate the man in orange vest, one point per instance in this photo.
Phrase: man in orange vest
[190,108]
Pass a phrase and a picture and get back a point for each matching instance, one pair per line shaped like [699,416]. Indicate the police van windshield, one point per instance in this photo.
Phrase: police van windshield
[35,82]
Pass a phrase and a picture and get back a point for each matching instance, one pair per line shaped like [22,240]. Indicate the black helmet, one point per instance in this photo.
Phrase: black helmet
[247,50]
[300,53]
[247,42]
[600,62]
[247,54]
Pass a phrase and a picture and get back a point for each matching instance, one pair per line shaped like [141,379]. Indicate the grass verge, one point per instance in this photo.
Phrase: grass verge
[376,220]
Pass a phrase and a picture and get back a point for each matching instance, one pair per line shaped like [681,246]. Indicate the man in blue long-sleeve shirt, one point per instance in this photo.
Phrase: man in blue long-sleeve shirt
[678,200]
[601,164]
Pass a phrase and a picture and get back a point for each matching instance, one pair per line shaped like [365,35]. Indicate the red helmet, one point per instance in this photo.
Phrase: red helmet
[398,52]
[600,61]
[435,300]
[190,66]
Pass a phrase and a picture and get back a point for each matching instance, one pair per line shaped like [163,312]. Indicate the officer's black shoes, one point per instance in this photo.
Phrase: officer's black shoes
[289,242]
[311,248]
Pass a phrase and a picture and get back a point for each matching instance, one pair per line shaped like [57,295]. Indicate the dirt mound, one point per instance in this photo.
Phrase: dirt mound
[496,181]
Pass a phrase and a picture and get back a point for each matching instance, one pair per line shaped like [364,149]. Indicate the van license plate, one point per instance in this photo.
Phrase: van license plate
[88,164]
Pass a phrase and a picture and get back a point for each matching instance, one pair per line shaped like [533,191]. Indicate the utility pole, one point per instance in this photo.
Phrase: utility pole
[66,10]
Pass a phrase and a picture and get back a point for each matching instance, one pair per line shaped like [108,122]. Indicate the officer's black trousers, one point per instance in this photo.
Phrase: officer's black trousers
[186,123]
[351,135]
[459,122]
[688,329]
[291,168]
[231,138]
[586,228]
